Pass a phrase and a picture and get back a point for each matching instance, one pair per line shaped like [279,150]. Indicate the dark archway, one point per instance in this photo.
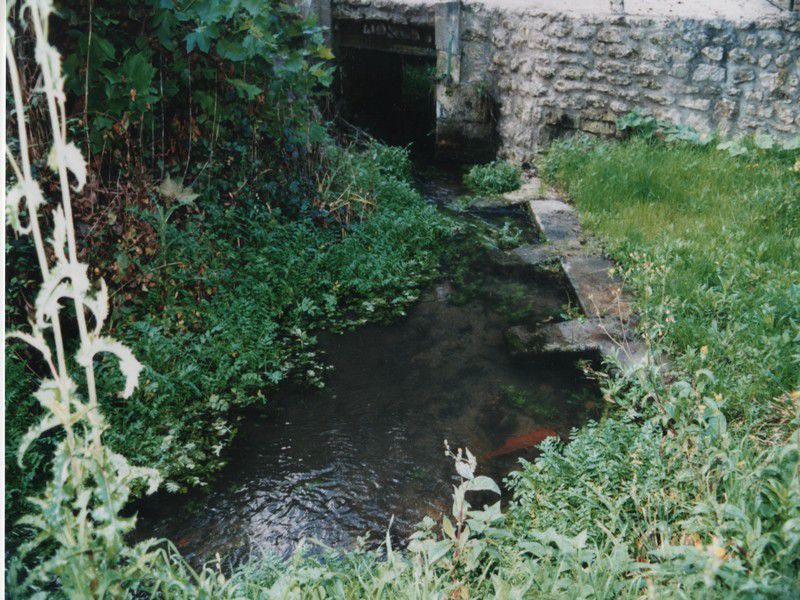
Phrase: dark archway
[390,95]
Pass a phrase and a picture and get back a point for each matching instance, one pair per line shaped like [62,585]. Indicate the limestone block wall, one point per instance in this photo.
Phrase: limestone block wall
[787,4]
[556,72]
[519,76]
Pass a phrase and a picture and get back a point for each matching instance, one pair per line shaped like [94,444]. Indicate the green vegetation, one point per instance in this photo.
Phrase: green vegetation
[696,477]
[690,487]
[496,177]
[224,283]
[710,242]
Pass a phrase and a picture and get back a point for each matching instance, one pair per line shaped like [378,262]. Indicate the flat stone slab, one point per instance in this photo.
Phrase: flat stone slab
[557,220]
[606,337]
[530,190]
[480,202]
[599,293]
[537,257]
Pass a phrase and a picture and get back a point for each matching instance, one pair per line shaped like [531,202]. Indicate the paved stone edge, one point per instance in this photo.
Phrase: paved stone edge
[608,308]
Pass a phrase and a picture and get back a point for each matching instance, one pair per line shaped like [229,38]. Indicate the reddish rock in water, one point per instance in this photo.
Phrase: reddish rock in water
[522,442]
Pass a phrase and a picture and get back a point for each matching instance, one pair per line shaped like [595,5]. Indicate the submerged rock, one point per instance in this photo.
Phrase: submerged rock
[607,337]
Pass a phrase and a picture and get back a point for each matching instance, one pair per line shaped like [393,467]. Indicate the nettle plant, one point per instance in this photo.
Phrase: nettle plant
[79,533]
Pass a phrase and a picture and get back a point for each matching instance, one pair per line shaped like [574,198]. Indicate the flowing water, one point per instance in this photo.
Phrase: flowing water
[338,463]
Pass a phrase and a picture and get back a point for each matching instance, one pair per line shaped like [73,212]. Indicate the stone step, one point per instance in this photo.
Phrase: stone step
[599,293]
[557,220]
[605,337]
[530,190]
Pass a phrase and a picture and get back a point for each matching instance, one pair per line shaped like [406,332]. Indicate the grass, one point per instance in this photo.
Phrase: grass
[692,486]
[725,232]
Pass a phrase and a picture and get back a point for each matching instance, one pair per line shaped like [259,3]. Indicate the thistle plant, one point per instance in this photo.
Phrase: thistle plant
[78,528]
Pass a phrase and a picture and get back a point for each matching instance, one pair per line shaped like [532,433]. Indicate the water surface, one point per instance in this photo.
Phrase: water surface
[338,463]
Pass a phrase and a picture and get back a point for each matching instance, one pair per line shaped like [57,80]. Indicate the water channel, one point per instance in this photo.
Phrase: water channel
[335,464]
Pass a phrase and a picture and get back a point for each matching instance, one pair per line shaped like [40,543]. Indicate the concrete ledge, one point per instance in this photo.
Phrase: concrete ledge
[599,293]
[607,330]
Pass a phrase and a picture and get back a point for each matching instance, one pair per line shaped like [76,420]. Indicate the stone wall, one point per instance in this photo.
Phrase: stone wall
[575,72]
[517,77]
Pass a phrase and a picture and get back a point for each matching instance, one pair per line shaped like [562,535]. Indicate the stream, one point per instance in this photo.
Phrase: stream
[334,464]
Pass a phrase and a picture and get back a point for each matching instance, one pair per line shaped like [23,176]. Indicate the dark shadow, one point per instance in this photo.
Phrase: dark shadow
[391,96]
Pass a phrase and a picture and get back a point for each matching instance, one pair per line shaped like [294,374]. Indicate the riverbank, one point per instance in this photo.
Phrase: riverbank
[231,309]
[689,486]
[694,480]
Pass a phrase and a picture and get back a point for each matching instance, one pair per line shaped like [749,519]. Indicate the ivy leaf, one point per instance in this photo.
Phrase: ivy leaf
[103,49]
[324,52]
[232,51]
[200,39]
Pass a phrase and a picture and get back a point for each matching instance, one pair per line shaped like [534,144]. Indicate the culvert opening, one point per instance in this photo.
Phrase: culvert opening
[391,96]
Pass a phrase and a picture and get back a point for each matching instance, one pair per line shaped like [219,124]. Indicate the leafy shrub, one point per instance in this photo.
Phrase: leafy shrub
[497,177]
[647,126]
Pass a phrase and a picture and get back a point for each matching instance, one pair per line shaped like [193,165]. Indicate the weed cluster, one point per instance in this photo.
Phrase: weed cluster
[496,177]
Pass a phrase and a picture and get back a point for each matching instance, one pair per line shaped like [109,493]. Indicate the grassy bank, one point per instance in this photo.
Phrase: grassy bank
[714,240]
[691,485]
